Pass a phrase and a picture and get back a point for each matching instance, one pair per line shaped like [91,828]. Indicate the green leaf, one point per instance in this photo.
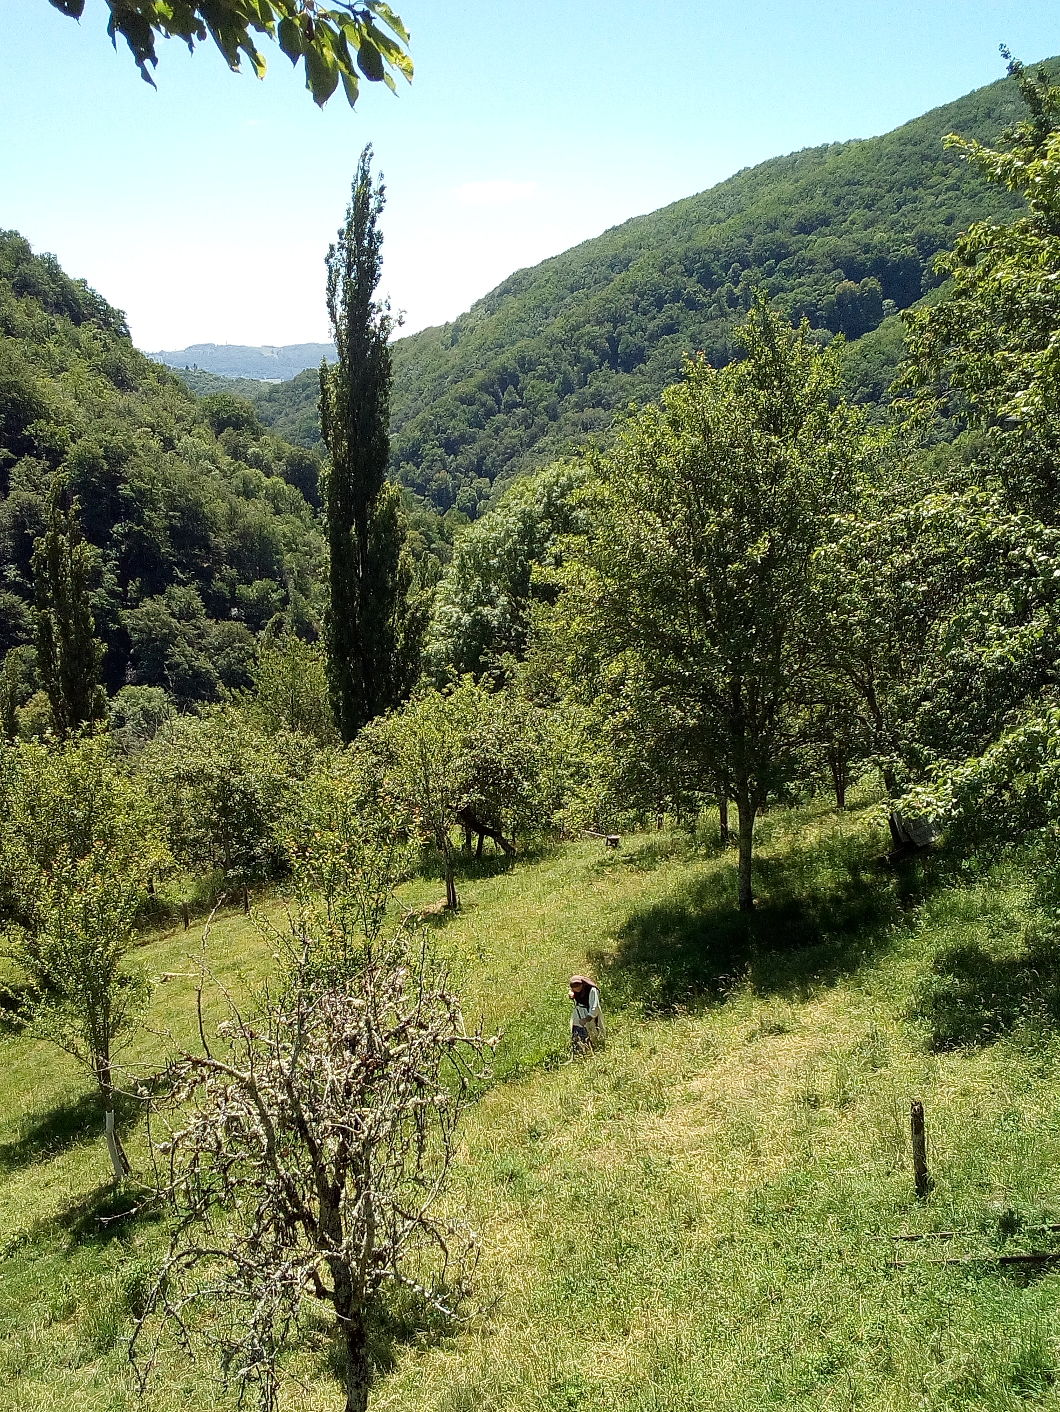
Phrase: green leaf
[322,76]
[291,39]
[351,86]
[388,17]
[370,62]
[392,53]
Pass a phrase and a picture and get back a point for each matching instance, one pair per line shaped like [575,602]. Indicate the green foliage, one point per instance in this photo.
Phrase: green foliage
[227,413]
[221,792]
[695,586]
[984,720]
[290,690]
[1009,791]
[198,538]
[466,756]
[938,609]
[64,807]
[843,235]
[349,848]
[137,713]
[501,564]
[343,41]
[987,351]
[84,997]
[77,845]
[371,635]
[68,654]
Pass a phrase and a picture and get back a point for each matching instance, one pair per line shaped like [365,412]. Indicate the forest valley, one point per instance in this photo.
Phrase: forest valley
[236,669]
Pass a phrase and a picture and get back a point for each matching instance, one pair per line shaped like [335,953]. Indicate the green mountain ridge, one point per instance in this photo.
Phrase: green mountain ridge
[843,235]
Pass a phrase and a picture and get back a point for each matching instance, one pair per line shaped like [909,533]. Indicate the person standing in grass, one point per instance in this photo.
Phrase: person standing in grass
[587,1018]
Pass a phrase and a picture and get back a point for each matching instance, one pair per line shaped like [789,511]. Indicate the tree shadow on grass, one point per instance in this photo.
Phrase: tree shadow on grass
[44,1135]
[974,996]
[823,911]
[110,1213]
[400,1318]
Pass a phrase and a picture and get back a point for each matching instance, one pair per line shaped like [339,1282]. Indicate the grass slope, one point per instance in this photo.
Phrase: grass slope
[703,1214]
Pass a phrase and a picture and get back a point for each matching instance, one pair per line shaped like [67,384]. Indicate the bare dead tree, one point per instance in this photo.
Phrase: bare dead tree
[306,1155]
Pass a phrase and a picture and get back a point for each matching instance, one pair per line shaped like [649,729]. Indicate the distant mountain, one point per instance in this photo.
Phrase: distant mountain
[236,360]
[842,235]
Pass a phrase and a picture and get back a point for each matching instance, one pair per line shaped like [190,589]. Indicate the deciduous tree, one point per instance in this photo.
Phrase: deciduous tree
[706,518]
[77,846]
[309,1147]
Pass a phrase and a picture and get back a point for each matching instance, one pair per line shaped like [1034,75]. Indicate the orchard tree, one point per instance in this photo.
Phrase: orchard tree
[966,581]
[419,752]
[290,689]
[502,564]
[77,847]
[706,516]
[342,41]
[221,790]
[465,758]
[938,611]
[309,1145]
[84,995]
[372,633]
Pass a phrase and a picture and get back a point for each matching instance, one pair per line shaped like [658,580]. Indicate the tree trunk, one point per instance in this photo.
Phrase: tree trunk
[837,765]
[350,1312]
[745,815]
[246,900]
[118,1159]
[468,819]
[723,817]
[358,1368]
[452,902]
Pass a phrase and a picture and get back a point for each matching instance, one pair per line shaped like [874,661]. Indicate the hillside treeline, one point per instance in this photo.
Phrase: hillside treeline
[843,236]
[757,590]
[200,522]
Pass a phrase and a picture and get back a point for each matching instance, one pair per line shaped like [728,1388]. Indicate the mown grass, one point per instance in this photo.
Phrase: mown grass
[703,1215]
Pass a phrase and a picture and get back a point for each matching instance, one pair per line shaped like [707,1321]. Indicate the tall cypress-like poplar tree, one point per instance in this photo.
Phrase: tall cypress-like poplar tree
[68,652]
[370,632]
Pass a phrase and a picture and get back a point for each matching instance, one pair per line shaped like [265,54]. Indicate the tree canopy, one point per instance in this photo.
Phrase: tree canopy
[338,43]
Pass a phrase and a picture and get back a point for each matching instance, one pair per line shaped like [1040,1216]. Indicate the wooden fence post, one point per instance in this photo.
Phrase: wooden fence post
[921,1176]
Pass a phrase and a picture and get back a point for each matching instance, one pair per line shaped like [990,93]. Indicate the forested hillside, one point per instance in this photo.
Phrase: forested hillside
[756,706]
[842,235]
[198,519]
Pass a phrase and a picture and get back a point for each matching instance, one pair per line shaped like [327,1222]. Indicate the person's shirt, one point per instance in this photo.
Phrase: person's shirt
[589,1010]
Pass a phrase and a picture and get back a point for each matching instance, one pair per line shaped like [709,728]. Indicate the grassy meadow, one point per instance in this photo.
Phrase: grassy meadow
[705,1214]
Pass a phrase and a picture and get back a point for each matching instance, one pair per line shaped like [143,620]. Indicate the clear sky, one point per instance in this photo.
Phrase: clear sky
[204,209]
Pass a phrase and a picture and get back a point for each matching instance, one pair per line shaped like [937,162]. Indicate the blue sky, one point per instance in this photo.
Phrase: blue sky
[204,209]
